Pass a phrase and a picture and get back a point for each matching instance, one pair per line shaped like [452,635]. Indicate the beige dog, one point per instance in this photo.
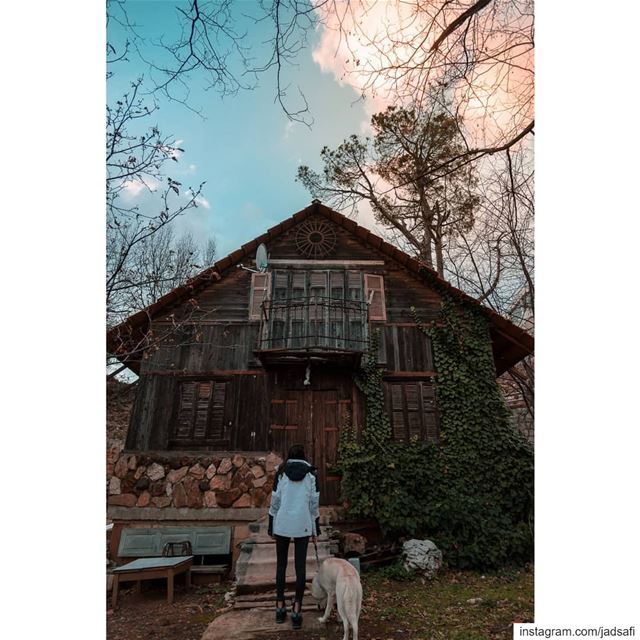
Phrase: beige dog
[339,578]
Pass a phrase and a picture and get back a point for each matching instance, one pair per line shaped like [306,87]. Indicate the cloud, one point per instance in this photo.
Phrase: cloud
[133,188]
[367,36]
[203,202]
[288,128]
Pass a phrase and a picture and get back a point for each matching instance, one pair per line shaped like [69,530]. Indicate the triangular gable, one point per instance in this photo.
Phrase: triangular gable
[510,343]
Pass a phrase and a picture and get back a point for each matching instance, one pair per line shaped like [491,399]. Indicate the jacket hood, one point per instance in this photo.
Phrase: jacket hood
[296,470]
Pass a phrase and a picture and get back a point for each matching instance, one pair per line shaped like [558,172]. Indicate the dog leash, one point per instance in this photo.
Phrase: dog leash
[315,546]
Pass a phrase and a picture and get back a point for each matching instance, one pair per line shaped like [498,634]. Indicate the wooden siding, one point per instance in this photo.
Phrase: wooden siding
[211,352]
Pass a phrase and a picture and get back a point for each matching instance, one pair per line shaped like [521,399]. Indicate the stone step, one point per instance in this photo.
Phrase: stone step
[269,604]
[268,595]
[255,569]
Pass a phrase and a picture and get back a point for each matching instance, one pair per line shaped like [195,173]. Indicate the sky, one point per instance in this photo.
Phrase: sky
[243,147]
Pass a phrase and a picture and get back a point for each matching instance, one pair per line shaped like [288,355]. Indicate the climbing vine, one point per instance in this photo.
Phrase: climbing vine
[472,494]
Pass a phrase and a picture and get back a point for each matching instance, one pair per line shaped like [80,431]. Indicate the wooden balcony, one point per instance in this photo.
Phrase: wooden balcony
[313,328]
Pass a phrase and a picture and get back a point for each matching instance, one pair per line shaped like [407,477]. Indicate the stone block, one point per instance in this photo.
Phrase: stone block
[176,475]
[155,471]
[123,500]
[114,486]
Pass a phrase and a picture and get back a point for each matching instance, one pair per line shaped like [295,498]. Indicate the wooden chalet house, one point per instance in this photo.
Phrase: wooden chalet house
[238,364]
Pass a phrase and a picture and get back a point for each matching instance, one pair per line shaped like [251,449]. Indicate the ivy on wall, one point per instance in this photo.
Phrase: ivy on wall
[472,494]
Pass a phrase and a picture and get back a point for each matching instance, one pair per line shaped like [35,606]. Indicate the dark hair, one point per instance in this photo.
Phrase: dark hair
[296,452]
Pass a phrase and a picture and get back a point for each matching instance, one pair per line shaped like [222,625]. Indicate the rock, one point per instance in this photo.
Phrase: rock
[474,600]
[142,484]
[257,471]
[237,479]
[197,471]
[179,495]
[114,486]
[155,471]
[128,483]
[121,467]
[140,471]
[258,498]
[114,449]
[158,488]
[271,462]
[161,501]
[123,500]
[133,463]
[260,482]
[211,471]
[238,460]
[220,482]
[225,466]
[175,475]
[423,556]
[210,499]
[227,498]
[203,485]
[187,493]
[143,499]
[169,489]
[243,501]
[109,469]
[194,495]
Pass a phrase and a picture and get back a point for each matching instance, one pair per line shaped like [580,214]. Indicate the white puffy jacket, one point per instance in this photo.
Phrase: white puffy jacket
[295,501]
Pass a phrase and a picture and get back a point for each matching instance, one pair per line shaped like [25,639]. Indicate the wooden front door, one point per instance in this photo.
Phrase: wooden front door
[312,416]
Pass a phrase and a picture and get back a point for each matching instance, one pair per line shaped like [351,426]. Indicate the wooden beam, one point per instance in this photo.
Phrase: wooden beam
[327,263]
[409,374]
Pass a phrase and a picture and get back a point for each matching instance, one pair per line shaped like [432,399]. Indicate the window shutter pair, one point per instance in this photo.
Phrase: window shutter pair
[260,286]
[201,410]
[374,295]
[413,412]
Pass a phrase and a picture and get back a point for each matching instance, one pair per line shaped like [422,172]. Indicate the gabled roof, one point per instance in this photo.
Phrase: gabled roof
[510,343]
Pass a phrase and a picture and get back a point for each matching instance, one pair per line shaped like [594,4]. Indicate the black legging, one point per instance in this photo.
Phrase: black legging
[300,555]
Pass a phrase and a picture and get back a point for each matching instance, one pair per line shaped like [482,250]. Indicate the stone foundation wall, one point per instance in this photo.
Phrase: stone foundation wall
[195,480]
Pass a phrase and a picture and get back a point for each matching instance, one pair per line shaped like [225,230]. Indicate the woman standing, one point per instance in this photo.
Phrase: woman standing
[294,513]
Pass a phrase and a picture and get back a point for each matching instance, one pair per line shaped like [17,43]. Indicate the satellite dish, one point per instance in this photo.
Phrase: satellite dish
[262,259]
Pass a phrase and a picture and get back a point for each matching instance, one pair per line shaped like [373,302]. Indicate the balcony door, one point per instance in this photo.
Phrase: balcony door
[316,308]
[311,416]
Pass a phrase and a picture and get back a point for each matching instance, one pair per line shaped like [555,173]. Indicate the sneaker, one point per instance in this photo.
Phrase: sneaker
[281,614]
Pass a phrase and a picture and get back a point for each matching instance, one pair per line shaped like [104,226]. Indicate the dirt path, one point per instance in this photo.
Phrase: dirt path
[455,606]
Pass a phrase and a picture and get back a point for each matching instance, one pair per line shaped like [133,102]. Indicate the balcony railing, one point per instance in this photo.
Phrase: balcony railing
[314,323]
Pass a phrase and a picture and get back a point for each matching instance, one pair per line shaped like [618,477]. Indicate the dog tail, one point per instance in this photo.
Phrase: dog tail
[350,603]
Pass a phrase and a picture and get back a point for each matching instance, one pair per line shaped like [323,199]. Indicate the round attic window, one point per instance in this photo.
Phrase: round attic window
[315,239]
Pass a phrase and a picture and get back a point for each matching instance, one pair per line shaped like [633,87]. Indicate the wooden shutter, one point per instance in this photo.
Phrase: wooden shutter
[201,411]
[203,400]
[413,411]
[260,285]
[185,410]
[397,413]
[374,295]
[429,413]
[216,423]
[414,417]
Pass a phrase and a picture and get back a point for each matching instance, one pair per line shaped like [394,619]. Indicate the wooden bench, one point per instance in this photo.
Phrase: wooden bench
[149,543]
[150,569]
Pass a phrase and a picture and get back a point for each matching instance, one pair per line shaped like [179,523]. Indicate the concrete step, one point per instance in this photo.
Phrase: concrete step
[255,569]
